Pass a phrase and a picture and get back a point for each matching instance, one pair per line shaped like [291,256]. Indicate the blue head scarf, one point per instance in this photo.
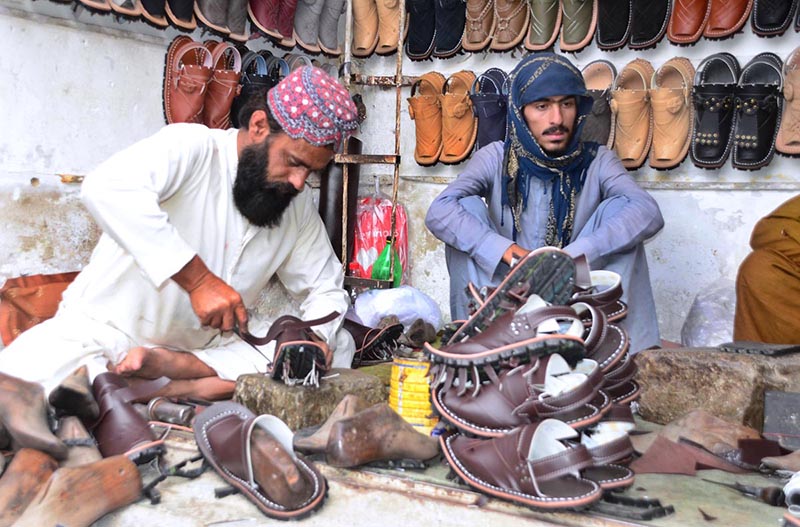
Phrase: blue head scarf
[539,76]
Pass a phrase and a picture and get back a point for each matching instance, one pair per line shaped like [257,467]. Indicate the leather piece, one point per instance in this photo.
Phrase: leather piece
[633,132]
[650,18]
[727,17]
[451,18]
[788,140]
[480,24]
[688,20]
[713,97]
[578,23]
[426,111]
[599,76]
[489,95]
[545,24]
[511,23]
[614,23]
[772,17]
[500,467]
[421,27]
[365,27]
[331,192]
[187,72]
[459,124]
[673,113]
[758,110]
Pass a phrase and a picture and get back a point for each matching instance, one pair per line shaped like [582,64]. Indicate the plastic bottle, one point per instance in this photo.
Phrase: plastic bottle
[381,269]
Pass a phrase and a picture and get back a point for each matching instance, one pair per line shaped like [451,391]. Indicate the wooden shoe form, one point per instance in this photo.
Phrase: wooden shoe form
[26,474]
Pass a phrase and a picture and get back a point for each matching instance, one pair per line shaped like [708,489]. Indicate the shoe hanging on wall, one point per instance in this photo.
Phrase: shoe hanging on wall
[673,112]
[186,75]
[96,5]
[788,141]
[425,110]
[388,26]
[126,7]
[772,18]
[420,28]
[613,23]
[451,18]
[213,14]
[649,22]
[688,21]
[511,19]
[154,11]
[545,24]
[223,86]
[630,103]
[181,14]
[306,24]
[727,17]
[328,39]
[365,27]
[713,97]
[480,24]
[578,24]
[599,76]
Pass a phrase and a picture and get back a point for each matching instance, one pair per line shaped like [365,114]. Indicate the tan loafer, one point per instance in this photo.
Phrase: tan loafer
[630,102]
[673,112]
[788,141]
[365,27]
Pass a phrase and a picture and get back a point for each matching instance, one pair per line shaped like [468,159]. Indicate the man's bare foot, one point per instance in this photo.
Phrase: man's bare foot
[23,412]
[152,363]
[139,362]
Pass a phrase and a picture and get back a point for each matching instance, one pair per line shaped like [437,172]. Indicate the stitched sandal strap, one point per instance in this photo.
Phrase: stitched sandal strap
[273,334]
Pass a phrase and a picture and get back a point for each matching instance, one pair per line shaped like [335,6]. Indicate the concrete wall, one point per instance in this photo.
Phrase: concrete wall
[75,87]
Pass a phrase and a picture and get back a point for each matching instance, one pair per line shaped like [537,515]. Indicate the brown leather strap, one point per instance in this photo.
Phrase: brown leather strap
[142,390]
[271,335]
[563,463]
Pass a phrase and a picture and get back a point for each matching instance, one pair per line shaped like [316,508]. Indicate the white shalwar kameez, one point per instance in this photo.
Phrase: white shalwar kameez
[160,202]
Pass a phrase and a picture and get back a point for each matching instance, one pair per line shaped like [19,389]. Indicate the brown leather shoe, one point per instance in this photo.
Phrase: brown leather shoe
[186,74]
[788,140]
[425,109]
[459,124]
[480,25]
[727,17]
[264,14]
[688,21]
[78,496]
[545,24]
[511,23]
[27,472]
[630,103]
[24,414]
[377,434]
[673,112]
[223,86]
[365,27]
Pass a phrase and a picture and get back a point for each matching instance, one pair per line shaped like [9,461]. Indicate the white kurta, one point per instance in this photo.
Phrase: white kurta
[160,202]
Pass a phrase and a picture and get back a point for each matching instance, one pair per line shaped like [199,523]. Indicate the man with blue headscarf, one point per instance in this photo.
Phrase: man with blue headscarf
[545,187]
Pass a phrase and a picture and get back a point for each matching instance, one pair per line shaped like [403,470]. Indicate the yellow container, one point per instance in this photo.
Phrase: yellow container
[409,393]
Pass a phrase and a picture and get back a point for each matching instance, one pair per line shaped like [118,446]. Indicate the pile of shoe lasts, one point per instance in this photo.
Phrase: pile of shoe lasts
[207,83]
[538,384]
[443,27]
[719,110]
[456,115]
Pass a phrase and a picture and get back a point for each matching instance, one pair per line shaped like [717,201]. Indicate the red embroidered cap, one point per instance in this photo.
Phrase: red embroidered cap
[311,104]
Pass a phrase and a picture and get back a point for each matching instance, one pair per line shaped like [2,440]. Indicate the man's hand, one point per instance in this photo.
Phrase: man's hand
[215,303]
[514,254]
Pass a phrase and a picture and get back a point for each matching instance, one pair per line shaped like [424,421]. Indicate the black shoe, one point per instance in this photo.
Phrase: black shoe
[613,23]
[713,97]
[649,22]
[421,28]
[451,18]
[772,18]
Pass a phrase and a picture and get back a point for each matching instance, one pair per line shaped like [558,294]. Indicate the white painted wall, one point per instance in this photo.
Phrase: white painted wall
[75,87]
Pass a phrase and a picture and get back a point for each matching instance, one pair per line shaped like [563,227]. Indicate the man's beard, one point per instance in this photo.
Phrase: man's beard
[259,200]
[557,151]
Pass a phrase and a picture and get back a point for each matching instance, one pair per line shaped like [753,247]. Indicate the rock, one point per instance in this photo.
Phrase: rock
[728,385]
[300,406]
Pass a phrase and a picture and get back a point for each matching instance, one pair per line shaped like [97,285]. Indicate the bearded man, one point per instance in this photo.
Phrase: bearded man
[545,187]
[195,223]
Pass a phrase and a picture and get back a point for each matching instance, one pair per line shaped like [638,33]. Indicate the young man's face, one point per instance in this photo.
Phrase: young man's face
[551,122]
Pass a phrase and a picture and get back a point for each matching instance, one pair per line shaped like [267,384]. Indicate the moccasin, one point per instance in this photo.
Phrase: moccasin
[181,14]
[425,110]
[328,40]
[649,23]
[237,21]
[688,21]
[545,24]
[213,14]
[365,27]
[489,96]
[529,466]
[788,141]
[223,86]
[451,18]
[713,96]
[614,23]
[758,112]
[154,11]
[727,17]
[511,23]
[480,24]
[186,75]
[459,124]
[772,18]
[599,77]
[388,26]
[630,102]
[578,24]
[306,24]
[420,29]
[673,112]
[264,15]
[126,7]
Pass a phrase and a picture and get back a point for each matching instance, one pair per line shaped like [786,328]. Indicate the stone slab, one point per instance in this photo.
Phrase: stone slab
[301,406]
[730,386]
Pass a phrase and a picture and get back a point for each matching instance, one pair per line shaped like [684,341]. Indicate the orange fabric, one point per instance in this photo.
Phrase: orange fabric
[28,300]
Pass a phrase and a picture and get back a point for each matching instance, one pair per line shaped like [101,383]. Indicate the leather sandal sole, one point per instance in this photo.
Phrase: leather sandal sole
[548,273]
[609,477]
[523,350]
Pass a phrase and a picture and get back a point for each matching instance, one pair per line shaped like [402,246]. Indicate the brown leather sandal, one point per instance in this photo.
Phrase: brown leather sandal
[459,124]
[186,75]
[630,103]
[425,109]
[223,86]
